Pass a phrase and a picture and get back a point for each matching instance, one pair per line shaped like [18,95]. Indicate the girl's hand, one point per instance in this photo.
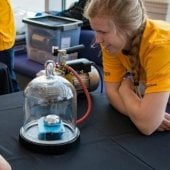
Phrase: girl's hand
[165,125]
[126,84]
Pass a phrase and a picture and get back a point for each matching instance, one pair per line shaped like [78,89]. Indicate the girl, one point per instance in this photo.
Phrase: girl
[136,61]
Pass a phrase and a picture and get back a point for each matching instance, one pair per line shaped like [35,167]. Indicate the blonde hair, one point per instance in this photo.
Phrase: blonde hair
[129,16]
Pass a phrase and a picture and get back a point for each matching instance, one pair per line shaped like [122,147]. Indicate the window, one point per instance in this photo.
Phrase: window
[42,5]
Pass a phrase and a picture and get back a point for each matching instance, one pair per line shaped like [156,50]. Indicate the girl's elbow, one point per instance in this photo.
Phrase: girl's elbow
[147,127]
[147,132]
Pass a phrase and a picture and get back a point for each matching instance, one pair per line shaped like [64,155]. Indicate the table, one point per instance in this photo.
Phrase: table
[109,141]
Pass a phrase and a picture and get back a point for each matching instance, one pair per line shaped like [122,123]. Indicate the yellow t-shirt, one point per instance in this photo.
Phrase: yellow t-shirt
[154,59]
[7,26]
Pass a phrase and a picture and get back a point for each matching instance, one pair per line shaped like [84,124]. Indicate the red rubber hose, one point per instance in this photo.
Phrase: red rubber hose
[89,103]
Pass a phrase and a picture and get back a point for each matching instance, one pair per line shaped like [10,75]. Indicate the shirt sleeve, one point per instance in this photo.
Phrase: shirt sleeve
[113,68]
[157,68]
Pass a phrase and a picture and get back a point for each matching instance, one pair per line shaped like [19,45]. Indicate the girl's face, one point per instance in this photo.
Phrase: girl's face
[107,35]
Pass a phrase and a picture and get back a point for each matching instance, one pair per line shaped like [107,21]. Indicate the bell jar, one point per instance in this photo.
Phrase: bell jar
[50,110]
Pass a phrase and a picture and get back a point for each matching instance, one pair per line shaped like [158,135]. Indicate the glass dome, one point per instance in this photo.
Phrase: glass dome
[50,111]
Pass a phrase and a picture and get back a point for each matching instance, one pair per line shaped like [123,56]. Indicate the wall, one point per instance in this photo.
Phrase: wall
[158,9]
[28,8]
[39,5]
[29,5]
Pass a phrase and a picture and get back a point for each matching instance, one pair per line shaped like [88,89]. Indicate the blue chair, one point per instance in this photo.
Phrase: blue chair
[87,37]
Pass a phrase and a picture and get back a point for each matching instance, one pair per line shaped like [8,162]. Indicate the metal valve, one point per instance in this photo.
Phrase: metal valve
[61,52]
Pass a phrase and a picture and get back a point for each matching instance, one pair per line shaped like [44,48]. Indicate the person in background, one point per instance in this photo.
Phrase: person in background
[76,11]
[4,165]
[7,40]
[136,61]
